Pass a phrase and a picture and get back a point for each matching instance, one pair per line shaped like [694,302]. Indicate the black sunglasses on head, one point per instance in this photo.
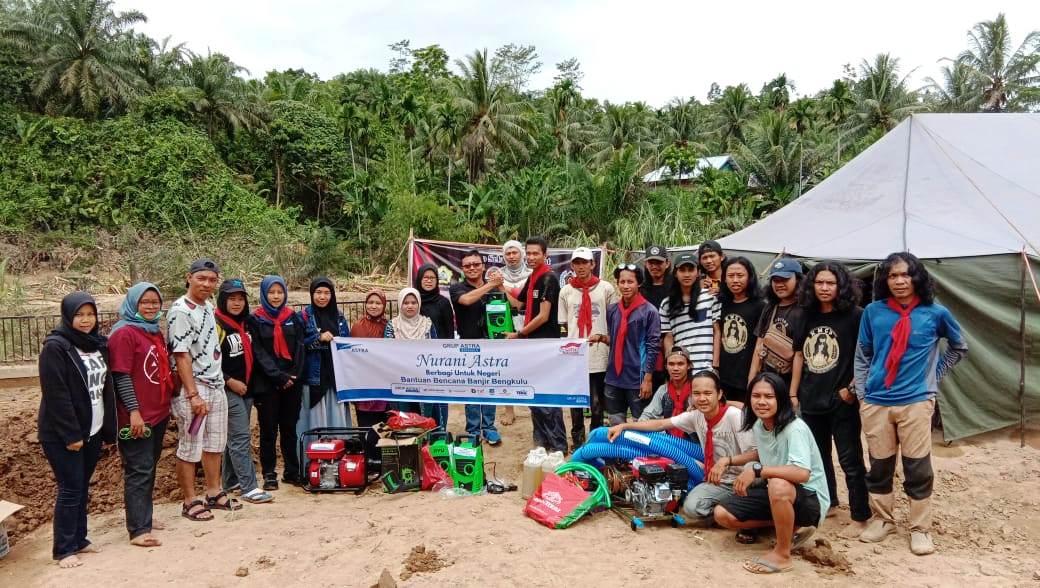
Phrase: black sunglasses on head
[627,266]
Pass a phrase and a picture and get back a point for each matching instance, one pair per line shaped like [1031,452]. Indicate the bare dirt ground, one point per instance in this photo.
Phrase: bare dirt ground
[987,529]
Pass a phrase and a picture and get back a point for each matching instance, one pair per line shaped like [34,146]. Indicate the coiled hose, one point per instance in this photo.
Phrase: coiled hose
[632,444]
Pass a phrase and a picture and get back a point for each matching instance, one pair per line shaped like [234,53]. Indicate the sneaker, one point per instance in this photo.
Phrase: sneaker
[877,531]
[921,543]
[492,438]
[271,483]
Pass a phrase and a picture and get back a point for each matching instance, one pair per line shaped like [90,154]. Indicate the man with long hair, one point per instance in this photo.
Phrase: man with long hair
[822,385]
[898,369]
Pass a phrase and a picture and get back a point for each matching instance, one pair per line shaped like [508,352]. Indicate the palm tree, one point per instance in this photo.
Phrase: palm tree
[837,105]
[493,119]
[682,121]
[882,97]
[733,111]
[157,64]
[287,86]
[561,104]
[79,51]
[622,126]
[219,94]
[772,154]
[776,93]
[446,131]
[1008,80]
[959,90]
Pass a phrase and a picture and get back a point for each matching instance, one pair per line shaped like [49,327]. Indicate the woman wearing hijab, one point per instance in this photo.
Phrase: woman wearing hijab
[323,321]
[237,364]
[438,309]
[77,413]
[371,325]
[279,352]
[514,275]
[411,324]
[144,387]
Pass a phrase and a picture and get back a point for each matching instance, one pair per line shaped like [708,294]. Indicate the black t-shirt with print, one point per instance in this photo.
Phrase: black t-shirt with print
[828,342]
[471,321]
[655,294]
[547,288]
[737,324]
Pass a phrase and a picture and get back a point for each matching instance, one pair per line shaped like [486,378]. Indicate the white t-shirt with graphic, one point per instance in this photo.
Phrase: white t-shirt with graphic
[96,372]
[193,329]
[601,296]
[727,440]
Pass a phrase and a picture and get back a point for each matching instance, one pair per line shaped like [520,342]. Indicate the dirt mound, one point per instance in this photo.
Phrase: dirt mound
[821,553]
[26,477]
[420,560]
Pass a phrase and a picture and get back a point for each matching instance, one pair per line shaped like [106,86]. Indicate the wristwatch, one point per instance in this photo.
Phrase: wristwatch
[757,468]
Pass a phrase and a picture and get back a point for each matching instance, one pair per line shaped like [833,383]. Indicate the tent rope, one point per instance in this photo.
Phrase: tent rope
[1032,278]
[992,204]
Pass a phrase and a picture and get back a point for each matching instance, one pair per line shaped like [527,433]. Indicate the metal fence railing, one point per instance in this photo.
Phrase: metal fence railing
[21,337]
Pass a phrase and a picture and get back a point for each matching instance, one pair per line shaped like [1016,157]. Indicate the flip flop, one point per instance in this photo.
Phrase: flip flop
[801,537]
[761,566]
[746,536]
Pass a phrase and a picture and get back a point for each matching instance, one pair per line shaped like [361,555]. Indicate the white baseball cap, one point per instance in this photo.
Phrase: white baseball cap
[582,253]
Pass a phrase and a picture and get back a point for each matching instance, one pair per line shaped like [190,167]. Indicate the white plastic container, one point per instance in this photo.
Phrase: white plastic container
[532,475]
[552,461]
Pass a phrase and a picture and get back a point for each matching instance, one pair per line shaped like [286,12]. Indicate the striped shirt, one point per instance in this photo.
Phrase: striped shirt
[695,334]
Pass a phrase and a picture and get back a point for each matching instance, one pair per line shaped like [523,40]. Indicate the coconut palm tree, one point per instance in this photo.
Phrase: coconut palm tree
[562,111]
[622,125]
[78,49]
[494,120]
[882,96]
[218,94]
[959,90]
[776,157]
[733,112]
[1007,80]
[776,93]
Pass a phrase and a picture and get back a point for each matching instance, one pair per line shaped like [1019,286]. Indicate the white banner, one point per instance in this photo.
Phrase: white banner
[531,372]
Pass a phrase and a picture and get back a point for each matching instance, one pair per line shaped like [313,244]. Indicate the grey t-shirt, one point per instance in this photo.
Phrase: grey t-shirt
[727,438]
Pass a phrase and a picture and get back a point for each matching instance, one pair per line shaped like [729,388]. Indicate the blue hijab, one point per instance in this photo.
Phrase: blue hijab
[265,286]
[128,314]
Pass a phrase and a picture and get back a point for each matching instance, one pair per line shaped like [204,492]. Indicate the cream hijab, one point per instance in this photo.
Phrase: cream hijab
[417,327]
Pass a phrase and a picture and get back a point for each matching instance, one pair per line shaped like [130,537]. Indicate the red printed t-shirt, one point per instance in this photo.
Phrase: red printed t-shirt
[133,352]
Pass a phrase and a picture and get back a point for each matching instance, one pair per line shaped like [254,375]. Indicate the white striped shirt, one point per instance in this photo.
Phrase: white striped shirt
[696,336]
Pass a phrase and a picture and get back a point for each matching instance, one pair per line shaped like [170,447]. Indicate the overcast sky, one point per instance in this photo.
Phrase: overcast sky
[636,50]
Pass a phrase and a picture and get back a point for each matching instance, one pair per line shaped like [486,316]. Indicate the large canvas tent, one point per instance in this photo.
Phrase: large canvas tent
[962,192]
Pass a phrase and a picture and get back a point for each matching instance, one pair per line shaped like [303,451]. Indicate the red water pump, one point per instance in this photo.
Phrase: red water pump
[336,464]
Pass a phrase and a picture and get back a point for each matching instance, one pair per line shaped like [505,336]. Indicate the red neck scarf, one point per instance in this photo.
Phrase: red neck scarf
[163,357]
[247,343]
[619,338]
[900,338]
[585,310]
[281,348]
[709,441]
[679,398]
[531,283]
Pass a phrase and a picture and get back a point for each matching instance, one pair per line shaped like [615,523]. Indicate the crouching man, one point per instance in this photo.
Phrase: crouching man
[719,428]
[787,487]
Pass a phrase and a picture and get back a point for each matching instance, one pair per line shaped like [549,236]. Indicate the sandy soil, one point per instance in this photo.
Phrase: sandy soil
[987,529]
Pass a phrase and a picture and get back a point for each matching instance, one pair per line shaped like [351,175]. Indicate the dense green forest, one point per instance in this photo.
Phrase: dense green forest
[110,139]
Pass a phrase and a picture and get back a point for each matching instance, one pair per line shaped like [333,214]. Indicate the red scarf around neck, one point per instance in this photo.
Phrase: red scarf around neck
[679,398]
[900,338]
[247,343]
[585,310]
[281,348]
[532,281]
[709,441]
[619,339]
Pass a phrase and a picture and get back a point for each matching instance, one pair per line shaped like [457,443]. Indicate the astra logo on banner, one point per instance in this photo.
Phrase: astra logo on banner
[352,347]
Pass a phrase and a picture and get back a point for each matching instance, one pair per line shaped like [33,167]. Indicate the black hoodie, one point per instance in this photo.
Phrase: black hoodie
[65,411]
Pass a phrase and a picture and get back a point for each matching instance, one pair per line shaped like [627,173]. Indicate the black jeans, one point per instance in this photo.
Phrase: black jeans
[549,430]
[72,471]
[139,459]
[597,402]
[844,427]
[277,414]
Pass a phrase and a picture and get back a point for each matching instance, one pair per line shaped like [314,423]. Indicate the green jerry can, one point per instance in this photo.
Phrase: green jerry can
[467,463]
[440,449]
[499,316]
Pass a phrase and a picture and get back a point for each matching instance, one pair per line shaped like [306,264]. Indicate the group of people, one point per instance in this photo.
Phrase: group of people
[764,379]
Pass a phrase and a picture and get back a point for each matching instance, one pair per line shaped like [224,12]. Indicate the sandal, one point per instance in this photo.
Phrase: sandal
[214,503]
[761,566]
[746,536]
[196,515]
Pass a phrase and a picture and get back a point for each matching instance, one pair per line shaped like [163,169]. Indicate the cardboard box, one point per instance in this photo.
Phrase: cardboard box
[6,509]
[402,462]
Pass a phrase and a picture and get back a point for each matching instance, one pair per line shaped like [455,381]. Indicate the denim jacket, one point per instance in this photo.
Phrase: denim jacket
[315,347]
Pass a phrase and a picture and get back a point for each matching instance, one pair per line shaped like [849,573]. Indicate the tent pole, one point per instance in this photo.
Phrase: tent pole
[1022,362]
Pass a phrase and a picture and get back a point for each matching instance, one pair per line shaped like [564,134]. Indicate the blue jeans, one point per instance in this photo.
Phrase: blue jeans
[480,420]
[238,465]
[620,401]
[72,471]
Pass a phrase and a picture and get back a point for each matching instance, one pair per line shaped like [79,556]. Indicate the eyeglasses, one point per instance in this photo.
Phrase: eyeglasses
[472,265]
[627,266]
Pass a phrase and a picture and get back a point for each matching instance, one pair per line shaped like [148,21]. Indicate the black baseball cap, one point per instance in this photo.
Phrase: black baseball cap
[686,259]
[656,253]
[707,246]
[232,286]
[203,264]
[785,267]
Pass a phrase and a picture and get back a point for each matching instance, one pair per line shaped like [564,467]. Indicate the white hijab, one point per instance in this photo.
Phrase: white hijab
[417,327]
[515,275]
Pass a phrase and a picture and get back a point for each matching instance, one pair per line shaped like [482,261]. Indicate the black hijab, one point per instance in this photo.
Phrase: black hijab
[428,296]
[435,306]
[326,318]
[70,305]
